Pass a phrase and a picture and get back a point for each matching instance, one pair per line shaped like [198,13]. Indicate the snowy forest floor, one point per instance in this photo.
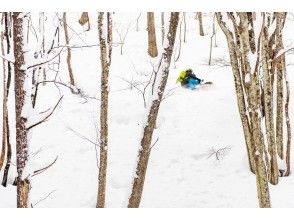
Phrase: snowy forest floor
[183,171]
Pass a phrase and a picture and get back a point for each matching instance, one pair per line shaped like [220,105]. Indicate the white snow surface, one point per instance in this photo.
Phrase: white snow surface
[182,171]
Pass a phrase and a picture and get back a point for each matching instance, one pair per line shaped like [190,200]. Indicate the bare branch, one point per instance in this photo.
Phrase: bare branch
[43,120]
[37,172]
[153,144]
[47,61]
[82,136]
[219,153]
[95,143]
[74,89]
[41,200]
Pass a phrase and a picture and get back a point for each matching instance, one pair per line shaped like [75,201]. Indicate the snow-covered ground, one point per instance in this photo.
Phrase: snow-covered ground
[182,171]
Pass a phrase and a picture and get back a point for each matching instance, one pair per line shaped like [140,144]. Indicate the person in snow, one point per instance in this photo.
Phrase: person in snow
[188,79]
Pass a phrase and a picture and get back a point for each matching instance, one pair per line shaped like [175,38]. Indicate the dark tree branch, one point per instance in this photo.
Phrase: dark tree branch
[37,172]
[43,120]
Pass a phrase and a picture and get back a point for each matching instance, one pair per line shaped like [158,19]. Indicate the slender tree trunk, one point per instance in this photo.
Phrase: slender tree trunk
[68,59]
[279,114]
[268,104]
[261,173]
[199,15]
[251,31]
[23,185]
[152,47]
[211,40]
[288,146]
[162,27]
[161,79]
[4,104]
[280,72]
[185,26]
[240,93]
[105,51]
[42,32]
[137,22]
[7,80]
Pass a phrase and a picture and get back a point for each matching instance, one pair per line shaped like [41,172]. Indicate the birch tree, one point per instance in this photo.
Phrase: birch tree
[152,46]
[68,59]
[4,100]
[255,66]
[199,16]
[162,27]
[6,50]
[23,184]
[152,112]
[26,117]
[105,39]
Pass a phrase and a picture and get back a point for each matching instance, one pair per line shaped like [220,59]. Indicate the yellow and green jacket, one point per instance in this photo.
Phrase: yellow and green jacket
[182,76]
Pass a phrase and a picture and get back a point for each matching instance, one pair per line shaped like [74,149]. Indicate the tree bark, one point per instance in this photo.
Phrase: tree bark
[162,27]
[261,173]
[253,132]
[280,68]
[105,56]
[23,185]
[68,59]
[185,26]
[268,107]
[161,79]
[199,15]
[4,103]
[152,47]
[250,16]
[85,19]
[6,86]
[288,146]
[239,92]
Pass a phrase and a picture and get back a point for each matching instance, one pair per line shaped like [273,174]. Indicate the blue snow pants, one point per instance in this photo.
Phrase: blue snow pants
[192,83]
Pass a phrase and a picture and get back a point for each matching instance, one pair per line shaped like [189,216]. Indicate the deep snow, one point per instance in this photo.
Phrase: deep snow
[181,171]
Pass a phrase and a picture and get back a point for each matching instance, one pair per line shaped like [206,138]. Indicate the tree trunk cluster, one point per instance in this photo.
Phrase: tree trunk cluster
[258,65]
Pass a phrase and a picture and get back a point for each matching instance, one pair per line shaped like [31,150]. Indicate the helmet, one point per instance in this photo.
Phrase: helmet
[189,71]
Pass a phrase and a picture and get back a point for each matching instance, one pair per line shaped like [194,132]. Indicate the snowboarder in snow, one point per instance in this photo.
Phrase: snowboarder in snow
[188,79]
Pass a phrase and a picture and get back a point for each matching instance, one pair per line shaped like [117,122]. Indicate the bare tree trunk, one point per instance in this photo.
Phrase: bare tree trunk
[179,46]
[137,22]
[7,80]
[251,31]
[280,73]
[23,185]
[105,51]
[211,40]
[162,27]
[4,103]
[185,26]
[239,92]
[199,16]
[279,114]
[288,147]
[268,104]
[152,47]
[85,19]
[161,79]
[253,133]
[68,59]
[42,32]
[261,173]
